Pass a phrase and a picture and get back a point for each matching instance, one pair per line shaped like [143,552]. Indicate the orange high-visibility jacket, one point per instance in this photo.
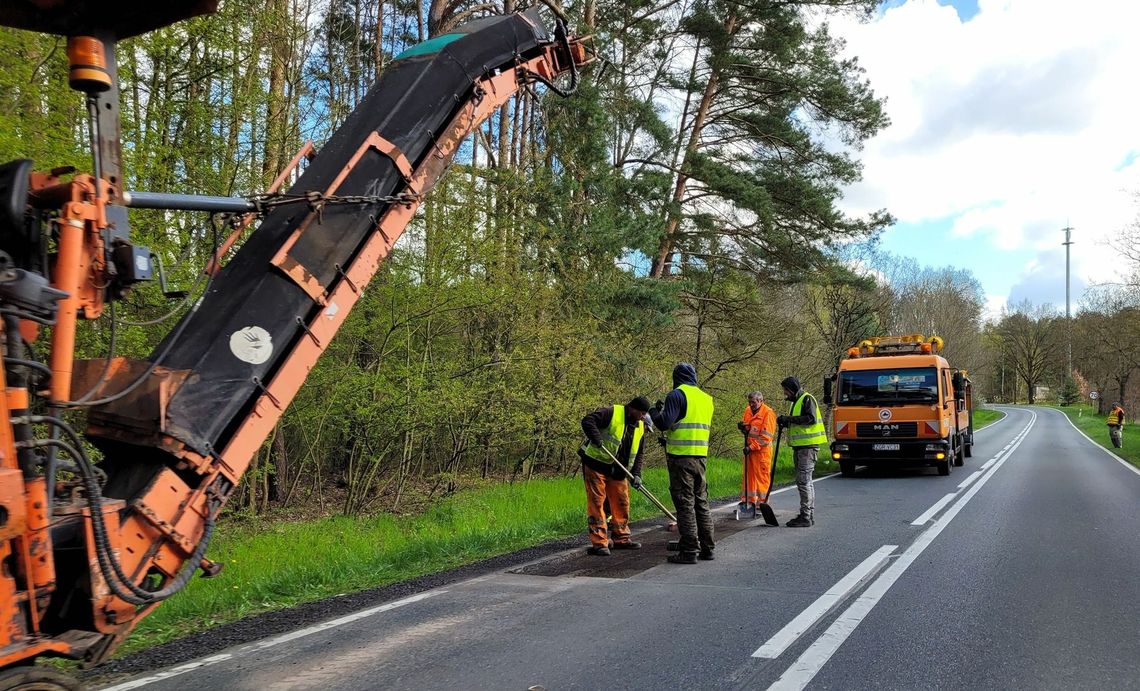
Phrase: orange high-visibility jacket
[761,427]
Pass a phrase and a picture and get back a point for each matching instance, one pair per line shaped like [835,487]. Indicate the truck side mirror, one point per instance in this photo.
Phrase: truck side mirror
[827,381]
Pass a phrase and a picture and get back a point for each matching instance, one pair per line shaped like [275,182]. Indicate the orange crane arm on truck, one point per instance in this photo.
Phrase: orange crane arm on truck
[89,558]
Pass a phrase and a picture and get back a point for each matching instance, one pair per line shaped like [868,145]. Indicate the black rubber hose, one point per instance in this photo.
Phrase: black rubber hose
[561,34]
[18,379]
[30,364]
[110,567]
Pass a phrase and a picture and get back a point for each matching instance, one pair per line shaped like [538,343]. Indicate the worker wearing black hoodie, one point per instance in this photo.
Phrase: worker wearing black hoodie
[805,434]
[685,418]
[613,436]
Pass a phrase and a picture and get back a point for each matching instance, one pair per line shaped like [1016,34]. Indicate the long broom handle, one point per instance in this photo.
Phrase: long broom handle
[775,459]
[641,488]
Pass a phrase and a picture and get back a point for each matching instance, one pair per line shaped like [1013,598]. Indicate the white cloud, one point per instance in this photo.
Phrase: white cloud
[1039,283]
[994,305]
[1013,124]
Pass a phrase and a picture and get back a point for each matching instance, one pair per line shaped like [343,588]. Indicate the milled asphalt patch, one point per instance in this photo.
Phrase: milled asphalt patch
[625,563]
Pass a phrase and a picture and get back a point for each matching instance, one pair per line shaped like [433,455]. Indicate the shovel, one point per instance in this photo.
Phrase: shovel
[641,488]
[762,506]
[672,526]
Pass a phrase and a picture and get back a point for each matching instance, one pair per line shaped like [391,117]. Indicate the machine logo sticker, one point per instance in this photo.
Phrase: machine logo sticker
[252,344]
[884,414]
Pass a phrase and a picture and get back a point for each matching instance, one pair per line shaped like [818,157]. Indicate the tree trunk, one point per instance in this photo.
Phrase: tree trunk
[275,103]
[278,467]
[378,46]
[672,225]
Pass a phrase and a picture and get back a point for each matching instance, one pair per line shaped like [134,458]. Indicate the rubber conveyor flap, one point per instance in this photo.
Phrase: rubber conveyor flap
[247,324]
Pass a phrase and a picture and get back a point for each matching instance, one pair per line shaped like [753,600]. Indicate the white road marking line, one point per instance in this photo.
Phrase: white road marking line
[778,643]
[1116,458]
[974,476]
[270,642]
[938,506]
[816,656]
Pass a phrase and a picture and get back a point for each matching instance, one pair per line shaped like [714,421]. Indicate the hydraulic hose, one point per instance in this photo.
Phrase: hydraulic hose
[563,36]
[117,580]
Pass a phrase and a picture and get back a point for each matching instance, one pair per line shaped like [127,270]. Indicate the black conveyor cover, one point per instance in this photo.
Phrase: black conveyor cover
[224,347]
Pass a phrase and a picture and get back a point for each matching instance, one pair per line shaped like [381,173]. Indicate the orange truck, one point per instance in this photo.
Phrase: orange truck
[894,401]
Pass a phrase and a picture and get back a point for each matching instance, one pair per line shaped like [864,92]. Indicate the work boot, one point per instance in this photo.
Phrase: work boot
[599,551]
[800,521]
[683,558]
[629,544]
[706,555]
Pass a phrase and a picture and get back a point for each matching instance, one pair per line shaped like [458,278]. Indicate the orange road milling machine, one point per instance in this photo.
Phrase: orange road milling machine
[89,549]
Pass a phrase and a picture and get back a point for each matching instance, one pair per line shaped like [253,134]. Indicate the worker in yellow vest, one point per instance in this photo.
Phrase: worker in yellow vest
[685,417]
[619,430]
[805,435]
[1116,425]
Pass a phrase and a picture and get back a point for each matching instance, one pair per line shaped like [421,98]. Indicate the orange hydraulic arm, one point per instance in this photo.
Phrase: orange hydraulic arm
[90,557]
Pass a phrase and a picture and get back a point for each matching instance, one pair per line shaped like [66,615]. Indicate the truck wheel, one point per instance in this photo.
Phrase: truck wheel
[960,454]
[969,449]
[36,678]
[944,465]
[847,468]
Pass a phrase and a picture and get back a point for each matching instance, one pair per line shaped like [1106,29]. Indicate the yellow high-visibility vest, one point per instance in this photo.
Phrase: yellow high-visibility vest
[806,435]
[611,439]
[1114,417]
[689,436]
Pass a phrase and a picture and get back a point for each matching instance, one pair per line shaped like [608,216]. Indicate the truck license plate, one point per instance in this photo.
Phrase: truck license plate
[885,447]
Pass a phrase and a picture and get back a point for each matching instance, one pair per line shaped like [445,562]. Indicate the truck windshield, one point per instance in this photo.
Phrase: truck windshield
[870,387]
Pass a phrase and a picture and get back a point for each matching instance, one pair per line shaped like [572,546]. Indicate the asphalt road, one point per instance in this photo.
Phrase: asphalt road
[1019,570]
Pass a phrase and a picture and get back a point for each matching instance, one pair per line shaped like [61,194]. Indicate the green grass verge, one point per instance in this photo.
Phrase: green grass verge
[1088,421]
[273,566]
[985,416]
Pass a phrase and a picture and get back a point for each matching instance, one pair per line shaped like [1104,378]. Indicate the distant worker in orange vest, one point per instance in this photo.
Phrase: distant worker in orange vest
[1116,425]
[759,428]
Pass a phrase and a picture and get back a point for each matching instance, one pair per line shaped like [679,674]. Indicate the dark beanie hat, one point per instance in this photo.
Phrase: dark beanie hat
[640,403]
[791,384]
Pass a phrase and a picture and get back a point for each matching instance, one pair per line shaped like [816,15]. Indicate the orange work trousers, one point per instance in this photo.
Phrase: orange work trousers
[599,487]
[757,474]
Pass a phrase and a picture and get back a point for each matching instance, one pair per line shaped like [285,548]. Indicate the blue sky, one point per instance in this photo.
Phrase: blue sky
[1009,121]
[933,244]
[966,8]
